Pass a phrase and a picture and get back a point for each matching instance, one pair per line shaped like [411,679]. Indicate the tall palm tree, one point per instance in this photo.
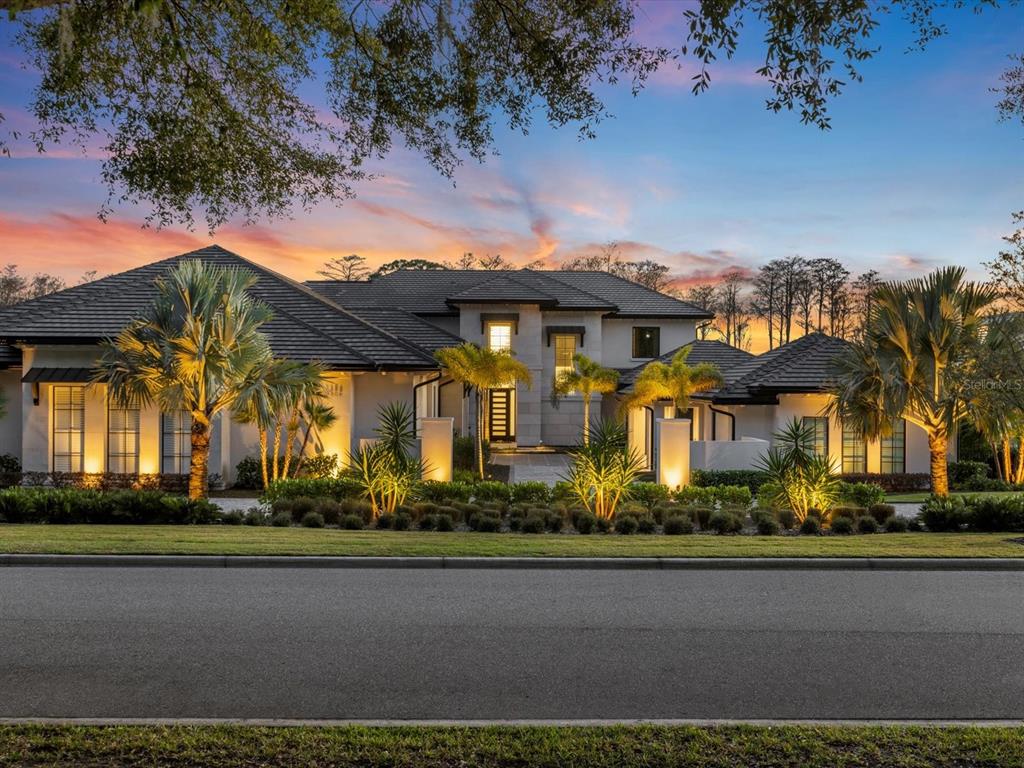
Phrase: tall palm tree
[587,378]
[482,370]
[192,351]
[676,381]
[914,361]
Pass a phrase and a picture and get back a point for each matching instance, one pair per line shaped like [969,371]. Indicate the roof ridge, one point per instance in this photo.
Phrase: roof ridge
[596,298]
[642,286]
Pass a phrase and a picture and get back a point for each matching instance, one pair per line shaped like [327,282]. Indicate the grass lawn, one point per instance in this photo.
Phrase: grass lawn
[245,540]
[920,496]
[538,747]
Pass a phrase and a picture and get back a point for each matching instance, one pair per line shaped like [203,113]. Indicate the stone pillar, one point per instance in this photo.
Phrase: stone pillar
[436,443]
[673,436]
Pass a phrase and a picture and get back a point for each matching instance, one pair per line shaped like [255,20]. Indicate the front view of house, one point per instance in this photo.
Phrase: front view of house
[377,339]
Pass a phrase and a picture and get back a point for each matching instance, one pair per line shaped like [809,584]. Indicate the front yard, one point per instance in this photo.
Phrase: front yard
[246,540]
[507,747]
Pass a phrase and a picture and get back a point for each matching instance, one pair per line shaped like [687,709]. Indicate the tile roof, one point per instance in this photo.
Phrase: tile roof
[730,360]
[306,325]
[429,292]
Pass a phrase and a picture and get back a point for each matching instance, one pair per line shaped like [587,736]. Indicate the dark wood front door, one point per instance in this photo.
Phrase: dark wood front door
[500,417]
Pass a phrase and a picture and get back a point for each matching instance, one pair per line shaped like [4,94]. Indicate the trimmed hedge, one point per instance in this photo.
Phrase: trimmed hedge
[751,478]
[73,505]
[337,488]
[975,513]
[895,483]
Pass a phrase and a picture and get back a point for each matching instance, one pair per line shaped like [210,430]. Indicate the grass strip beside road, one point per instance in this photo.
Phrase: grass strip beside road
[244,540]
[505,747]
[919,497]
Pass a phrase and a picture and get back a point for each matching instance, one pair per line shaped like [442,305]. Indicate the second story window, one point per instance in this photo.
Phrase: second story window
[499,337]
[646,342]
[565,350]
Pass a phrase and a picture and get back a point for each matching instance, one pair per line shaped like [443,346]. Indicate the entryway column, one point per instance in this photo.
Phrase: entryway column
[436,443]
[673,436]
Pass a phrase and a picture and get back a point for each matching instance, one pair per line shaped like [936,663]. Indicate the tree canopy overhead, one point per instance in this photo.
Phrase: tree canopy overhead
[245,108]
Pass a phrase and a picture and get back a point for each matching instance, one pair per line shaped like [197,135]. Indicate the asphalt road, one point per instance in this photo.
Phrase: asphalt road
[170,642]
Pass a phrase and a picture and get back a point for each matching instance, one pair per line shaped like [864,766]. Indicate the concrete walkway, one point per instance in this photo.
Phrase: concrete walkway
[546,468]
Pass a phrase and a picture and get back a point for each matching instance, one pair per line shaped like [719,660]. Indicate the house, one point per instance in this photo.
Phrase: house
[377,341]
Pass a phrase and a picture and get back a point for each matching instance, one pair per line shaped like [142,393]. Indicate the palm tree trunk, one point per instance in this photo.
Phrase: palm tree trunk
[481,409]
[1007,458]
[586,419]
[199,475]
[277,450]
[937,446]
[1000,472]
[263,457]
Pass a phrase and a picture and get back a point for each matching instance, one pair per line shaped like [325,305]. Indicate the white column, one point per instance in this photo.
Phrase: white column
[436,440]
[673,436]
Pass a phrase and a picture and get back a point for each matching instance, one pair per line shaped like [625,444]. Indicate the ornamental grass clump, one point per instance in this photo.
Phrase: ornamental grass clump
[797,478]
[603,470]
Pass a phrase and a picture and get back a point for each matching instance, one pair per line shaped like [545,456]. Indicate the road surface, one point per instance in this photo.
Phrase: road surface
[463,644]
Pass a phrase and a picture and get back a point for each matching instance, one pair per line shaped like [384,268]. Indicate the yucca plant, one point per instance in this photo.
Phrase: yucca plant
[603,469]
[385,470]
[799,479]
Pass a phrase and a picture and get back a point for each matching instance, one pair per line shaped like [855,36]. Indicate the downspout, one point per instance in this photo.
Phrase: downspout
[415,392]
[649,430]
[714,422]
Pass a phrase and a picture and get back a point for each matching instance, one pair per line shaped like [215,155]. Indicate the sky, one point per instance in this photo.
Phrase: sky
[916,172]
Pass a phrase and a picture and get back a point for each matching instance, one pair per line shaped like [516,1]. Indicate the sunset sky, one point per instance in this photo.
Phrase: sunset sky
[916,172]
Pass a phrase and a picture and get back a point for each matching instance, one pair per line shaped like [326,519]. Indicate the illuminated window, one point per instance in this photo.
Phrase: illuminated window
[68,428]
[176,443]
[854,451]
[499,337]
[646,342]
[565,349]
[894,449]
[820,426]
[123,440]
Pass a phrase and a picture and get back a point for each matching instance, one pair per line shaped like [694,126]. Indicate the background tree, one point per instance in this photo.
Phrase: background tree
[914,361]
[704,296]
[587,378]
[399,264]
[733,308]
[351,267]
[765,298]
[862,296]
[676,382]
[193,351]
[15,287]
[829,279]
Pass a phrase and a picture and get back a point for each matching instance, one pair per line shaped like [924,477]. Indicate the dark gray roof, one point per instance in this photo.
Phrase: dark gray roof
[433,292]
[802,366]
[306,325]
[731,361]
[408,326]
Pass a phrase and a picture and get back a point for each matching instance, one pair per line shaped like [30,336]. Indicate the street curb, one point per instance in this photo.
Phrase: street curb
[526,563]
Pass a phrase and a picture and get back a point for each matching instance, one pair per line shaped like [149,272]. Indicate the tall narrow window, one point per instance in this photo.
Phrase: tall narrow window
[176,443]
[565,349]
[646,342]
[854,451]
[499,337]
[68,428]
[894,449]
[123,440]
[820,426]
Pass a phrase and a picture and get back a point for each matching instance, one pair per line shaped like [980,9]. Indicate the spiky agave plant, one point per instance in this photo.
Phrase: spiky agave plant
[603,469]
[799,479]
[386,470]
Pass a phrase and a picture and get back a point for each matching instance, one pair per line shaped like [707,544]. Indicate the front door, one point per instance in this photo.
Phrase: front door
[501,416]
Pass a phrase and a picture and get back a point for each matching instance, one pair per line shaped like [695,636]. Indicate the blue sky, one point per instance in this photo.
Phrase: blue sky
[916,172]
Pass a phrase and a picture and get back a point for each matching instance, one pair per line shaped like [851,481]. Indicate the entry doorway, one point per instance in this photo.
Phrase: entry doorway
[501,416]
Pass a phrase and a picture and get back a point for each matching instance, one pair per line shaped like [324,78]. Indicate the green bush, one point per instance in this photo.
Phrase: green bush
[626,524]
[76,505]
[881,512]
[403,521]
[530,492]
[466,476]
[427,522]
[337,488]
[234,517]
[786,518]
[867,524]
[440,491]
[491,490]
[9,464]
[722,523]
[700,514]
[767,526]
[961,472]
[464,451]
[352,522]
[484,522]
[330,510]
[256,517]
[811,526]
[646,524]
[861,494]
[896,524]
[944,513]
[281,519]
[694,494]
[842,525]
[678,525]
[298,506]
[249,474]
[584,522]
[444,522]
[851,512]
[994,513]
[750,478]
[320,467]
[649,494]
[533,523]
[384,521]
[312,520]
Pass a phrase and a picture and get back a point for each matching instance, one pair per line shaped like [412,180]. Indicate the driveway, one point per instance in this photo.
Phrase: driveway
[304,643]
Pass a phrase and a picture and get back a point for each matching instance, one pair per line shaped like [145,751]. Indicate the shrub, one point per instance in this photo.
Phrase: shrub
[584,522]
[444,522]
[529,492]
[646,524]
[484,522]
[800,479]
[881,512]
[330,510]
[725,523]
[603,470]
[693,494]
[74,505]
[249,474]
[427,522]
[403,521]
[299,507]
[739,495]
[980,484]
[750,478]
[533,524]
[842,525]
[491,490]
[767,526]
[337,488]
[943,513]
[234,517]
[312,520]
[861,494]
[385,521]
[281,519]
[439,491]
[895,483]
[9,464]
[702,515]
[626,524]
[321,466]
[603,524]
[787,519]
[867,524]
[649,494]
[466,476]
[256,517]
[423,509]
[895,524]
[994,513]
[961,472]
[678,525]
[353,522]
[811,526]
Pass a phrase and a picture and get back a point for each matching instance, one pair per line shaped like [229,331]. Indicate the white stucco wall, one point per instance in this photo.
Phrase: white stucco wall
[10,423]
[563,425]
[617,339]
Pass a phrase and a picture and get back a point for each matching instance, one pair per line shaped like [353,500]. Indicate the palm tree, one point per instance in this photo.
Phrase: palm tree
[677,381]
[193,351]
[587,377]
[482,370]
[914,361]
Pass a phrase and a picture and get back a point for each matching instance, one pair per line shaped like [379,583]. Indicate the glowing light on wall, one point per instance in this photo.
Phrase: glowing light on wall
[673,437]
[436,440]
